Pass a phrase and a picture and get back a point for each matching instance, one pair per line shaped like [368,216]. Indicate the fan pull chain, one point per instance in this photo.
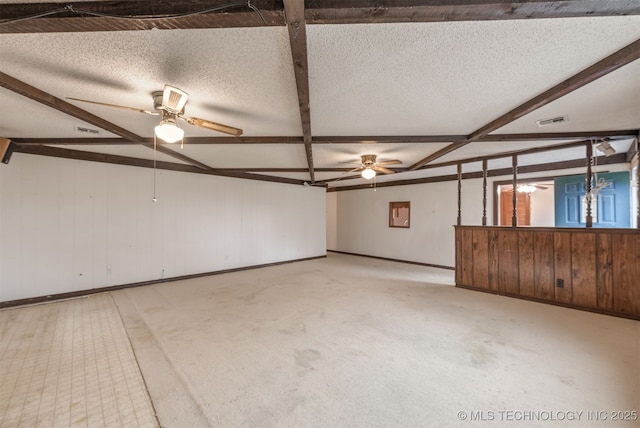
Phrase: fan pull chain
[155,142]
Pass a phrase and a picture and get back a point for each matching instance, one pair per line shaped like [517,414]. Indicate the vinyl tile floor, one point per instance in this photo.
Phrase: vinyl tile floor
[70,364]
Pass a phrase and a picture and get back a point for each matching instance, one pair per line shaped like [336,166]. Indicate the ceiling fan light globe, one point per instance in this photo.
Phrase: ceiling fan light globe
[169,132]
[368,173]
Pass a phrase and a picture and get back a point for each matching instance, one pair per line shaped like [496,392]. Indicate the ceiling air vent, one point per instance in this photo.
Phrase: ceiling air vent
[552,121]
[606,148]
[87,131]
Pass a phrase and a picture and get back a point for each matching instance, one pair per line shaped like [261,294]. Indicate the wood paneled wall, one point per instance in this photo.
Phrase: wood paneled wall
[592,269]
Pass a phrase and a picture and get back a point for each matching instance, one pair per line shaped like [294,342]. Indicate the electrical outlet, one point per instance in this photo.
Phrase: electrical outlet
[560,283]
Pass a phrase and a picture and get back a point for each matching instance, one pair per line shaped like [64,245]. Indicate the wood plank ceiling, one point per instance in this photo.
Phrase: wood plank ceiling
[421,151]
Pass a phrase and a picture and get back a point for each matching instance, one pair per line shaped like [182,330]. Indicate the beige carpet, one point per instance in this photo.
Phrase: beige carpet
[355,342]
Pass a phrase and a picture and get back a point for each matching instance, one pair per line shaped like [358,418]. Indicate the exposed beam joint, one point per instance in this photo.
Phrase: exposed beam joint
[438,154]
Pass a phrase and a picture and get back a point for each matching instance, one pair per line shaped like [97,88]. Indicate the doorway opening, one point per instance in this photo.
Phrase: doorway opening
[535,203]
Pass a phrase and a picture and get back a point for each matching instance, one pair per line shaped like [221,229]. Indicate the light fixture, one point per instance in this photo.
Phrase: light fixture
[168,130]
[368,173]
[526,188]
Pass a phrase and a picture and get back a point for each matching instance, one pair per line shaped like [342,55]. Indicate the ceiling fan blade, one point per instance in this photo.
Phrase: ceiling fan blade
[350,163]
[115,105]
[236,132]
[389,162]
[344,174]
[383,169]
[541,187]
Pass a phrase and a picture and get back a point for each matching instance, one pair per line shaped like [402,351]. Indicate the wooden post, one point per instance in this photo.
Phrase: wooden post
[636,159]
[638,182]
[514,218]
[484,192]
[459,194]
[588,196]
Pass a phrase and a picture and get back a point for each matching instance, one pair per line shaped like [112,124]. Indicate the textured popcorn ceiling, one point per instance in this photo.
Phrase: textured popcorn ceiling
[444,78]
[450,77]
[238,76]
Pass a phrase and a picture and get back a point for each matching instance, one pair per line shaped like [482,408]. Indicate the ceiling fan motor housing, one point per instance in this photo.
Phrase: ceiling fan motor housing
[368,160]
[170,99]
[157,100]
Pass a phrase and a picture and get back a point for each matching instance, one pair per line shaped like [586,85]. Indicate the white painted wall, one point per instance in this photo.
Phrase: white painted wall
[363,221]
[543,207]
[70,225]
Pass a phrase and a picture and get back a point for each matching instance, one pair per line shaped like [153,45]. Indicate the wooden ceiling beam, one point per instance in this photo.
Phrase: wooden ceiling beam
[176,14]
[437,155]
[134,8]
[188,140]
[26,90]
[179,156]
[611,63]
[144,163]
[397,11]
[389,139]
[399,139]
[294,16]
[293,170]
[628,133]
[137,15]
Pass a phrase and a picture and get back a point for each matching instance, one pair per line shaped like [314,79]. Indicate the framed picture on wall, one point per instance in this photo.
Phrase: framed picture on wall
[399,214]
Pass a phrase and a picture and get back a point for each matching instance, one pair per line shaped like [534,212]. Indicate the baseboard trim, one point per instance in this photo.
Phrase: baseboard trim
[394,260]
[80,293]
[552,302]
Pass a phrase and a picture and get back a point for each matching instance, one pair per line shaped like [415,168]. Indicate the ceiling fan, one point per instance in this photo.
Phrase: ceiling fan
[170,104]
[530,187]
[370,167]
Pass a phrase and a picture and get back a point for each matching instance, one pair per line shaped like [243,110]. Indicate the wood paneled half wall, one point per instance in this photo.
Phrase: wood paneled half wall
[592,269]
